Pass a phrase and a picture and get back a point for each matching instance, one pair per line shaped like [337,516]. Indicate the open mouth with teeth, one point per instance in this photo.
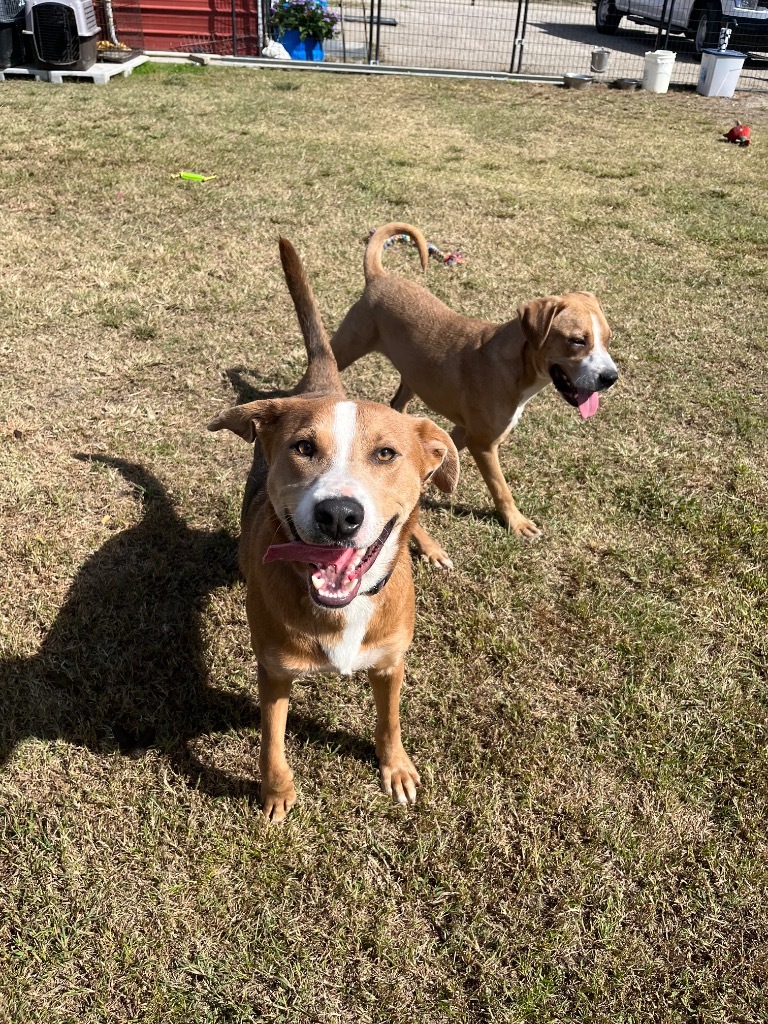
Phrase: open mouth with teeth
[335,573]
[585,401]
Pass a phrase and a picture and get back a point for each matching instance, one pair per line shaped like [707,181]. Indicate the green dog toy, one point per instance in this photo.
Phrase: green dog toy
[189,176]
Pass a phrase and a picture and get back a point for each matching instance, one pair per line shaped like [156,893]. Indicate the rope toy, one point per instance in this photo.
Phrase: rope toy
[449,259]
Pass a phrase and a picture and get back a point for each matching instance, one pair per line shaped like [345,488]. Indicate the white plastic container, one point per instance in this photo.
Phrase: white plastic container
[720,70]
[658,70]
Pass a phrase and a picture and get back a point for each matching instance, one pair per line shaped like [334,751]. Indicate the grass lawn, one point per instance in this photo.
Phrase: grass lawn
[589,713]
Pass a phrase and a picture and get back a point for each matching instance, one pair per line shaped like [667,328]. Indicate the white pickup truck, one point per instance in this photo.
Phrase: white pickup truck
[700,20]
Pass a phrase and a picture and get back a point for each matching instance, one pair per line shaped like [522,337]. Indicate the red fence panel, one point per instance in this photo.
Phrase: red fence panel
[204,26]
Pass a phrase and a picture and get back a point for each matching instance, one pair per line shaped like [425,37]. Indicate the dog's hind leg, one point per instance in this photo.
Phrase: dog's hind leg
[356,335]
[402,397]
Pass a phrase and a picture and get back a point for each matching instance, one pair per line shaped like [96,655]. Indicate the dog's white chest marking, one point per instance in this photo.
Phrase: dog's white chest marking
[344,654]
[525,398]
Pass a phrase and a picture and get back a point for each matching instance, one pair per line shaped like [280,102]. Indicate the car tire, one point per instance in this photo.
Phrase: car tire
[607,18]
[708,25]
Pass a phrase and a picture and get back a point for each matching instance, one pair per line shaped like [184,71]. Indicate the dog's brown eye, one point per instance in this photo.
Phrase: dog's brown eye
[578,341]
[305,448]
[386,454]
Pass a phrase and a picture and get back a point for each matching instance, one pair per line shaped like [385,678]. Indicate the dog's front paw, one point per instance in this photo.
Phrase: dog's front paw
[524,528]
[399,778]
[277,798]
[429,550]
[437,557]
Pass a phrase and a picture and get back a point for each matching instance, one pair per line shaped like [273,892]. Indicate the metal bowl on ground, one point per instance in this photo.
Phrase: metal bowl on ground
[627,84]
[574,81]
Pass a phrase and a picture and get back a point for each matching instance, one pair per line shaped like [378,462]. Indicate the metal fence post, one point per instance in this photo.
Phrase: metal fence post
[521,40]
[378,29]
[667,22]
[370,35]
[516,39]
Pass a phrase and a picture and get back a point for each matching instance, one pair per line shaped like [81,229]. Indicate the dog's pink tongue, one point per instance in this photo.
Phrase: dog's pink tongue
[318,554]
[588,402]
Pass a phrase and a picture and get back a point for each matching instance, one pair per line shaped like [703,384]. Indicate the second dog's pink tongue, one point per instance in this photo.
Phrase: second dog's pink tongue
[588,402]
[317,554]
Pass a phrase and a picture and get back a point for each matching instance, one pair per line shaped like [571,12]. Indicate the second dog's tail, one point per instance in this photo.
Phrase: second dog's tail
[322,374]
[372,265]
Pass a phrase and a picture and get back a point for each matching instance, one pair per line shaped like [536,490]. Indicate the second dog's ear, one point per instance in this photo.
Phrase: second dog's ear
[441,460]
[536,318]
[248,420]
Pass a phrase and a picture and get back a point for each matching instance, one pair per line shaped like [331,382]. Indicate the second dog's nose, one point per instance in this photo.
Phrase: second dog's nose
[607,379]
[339,518]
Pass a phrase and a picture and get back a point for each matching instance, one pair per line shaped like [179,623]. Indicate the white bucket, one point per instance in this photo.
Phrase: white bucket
[720,70]
[658,70]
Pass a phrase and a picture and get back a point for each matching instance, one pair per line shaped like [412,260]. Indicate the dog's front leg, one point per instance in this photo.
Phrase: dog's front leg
[399,778]
[487,459]
[428,549]
[402,397]
[277,793]
[426,546]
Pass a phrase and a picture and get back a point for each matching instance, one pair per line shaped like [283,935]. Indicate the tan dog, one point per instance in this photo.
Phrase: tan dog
[477,374]
[329,507]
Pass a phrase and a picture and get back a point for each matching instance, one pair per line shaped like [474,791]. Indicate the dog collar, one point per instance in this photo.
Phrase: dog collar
[378,586]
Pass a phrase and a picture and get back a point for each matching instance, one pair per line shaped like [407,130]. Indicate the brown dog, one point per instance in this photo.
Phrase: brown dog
[330,504]
[477,374]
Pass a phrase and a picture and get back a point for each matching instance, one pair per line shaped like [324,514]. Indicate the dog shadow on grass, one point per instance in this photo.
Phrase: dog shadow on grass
[485,515]
[249,387]
[123,667]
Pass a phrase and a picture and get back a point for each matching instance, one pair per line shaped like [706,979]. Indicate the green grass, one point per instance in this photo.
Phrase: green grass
[589,714]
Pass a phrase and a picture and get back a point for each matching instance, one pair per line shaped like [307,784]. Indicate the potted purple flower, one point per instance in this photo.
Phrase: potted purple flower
[302,26]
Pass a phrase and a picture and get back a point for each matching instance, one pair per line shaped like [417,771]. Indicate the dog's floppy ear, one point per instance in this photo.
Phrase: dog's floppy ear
[249,419]
[536,318]
[441,460]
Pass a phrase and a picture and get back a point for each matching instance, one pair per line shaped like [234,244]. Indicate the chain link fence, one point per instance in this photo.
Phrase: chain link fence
[549,37]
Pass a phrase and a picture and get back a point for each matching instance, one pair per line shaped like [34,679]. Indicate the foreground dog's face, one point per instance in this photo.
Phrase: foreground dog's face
[344,478]
[571,333]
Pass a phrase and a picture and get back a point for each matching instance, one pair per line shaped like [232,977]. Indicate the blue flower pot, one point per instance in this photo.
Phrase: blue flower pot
[302,49]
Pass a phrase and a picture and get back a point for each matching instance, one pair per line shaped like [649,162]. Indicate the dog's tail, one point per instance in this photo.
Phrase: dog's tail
[372,265]
[322,374]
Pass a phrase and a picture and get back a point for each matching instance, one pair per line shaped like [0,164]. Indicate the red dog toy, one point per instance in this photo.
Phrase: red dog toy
[740,134]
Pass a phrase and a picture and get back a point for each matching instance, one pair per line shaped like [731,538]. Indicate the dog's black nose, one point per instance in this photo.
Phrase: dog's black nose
[607,379]
[339,518]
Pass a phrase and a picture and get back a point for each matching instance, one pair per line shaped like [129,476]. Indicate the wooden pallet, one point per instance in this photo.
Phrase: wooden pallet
[99,74]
